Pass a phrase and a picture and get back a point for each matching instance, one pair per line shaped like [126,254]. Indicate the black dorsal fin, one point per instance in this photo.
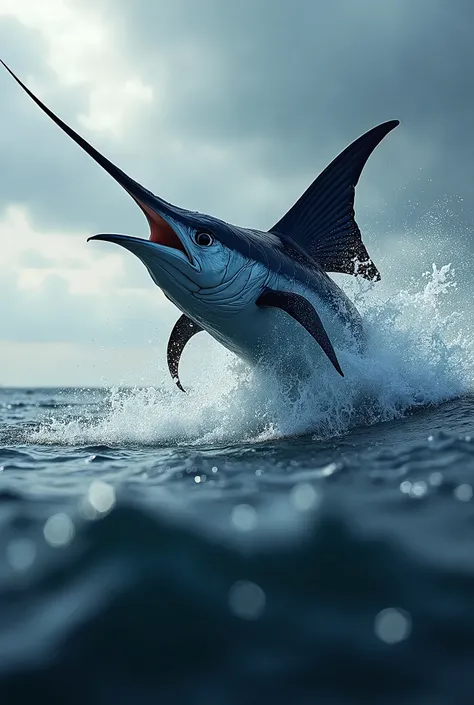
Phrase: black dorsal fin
[183,331]
[302,311]
[323,222]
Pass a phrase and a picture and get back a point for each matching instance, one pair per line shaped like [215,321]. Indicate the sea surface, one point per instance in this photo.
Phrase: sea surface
[239,545]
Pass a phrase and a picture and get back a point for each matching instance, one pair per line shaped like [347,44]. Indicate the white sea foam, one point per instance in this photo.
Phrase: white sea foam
[418,353]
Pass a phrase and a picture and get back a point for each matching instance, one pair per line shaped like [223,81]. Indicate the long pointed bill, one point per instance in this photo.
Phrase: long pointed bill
[155,208]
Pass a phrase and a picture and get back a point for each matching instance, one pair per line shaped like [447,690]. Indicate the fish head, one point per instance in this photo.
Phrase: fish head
[199,261]
[192,257]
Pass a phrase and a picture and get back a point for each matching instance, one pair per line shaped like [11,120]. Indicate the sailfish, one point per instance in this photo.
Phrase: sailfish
[265,295]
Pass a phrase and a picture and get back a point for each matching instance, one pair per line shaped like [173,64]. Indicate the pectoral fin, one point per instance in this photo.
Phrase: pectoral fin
[182,332]
[302,311]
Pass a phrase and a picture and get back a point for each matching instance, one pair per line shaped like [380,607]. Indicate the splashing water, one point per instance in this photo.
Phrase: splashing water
[417,355]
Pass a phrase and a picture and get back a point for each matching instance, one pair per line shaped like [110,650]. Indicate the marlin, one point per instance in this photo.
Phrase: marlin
[265,296]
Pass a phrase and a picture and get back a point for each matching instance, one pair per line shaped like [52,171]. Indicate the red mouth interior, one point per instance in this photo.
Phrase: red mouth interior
[161,232]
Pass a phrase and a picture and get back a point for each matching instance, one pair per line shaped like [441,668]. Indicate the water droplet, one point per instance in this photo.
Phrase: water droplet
[418,489]
[59,530]
[329,470]
[463,493]
[247,600]
[21,554]
[436,479]
[405,487]
[393,625]
[101,496]
[244,517]
[214,469]
[197,479]
[304,497]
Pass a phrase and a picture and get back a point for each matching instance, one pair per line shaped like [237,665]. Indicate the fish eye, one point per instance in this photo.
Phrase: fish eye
[203,238]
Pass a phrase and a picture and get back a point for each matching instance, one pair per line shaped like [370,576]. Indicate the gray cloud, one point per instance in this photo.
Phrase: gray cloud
[253,99]
[296,81]
[281,87]
[35,260]
[53,314]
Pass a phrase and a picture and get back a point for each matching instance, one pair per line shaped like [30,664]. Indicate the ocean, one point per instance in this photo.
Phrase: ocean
[239,545]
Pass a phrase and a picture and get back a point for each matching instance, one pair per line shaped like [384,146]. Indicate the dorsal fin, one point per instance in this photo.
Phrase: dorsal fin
[323,222]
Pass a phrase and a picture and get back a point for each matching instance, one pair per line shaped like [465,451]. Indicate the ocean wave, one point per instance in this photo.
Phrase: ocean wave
[141,609]
[417,355]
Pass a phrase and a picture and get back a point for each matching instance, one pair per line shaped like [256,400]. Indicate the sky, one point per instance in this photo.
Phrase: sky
[222,107]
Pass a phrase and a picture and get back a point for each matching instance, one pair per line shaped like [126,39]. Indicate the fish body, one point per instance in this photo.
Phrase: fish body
[264,295]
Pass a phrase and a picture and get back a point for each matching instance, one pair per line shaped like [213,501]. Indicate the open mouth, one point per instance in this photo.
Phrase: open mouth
[161,232]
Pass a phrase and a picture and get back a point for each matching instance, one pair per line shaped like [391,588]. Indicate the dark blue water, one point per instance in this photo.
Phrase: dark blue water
[289,570]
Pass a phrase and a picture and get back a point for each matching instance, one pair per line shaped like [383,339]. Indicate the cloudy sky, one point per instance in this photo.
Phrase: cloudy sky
[224,107]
